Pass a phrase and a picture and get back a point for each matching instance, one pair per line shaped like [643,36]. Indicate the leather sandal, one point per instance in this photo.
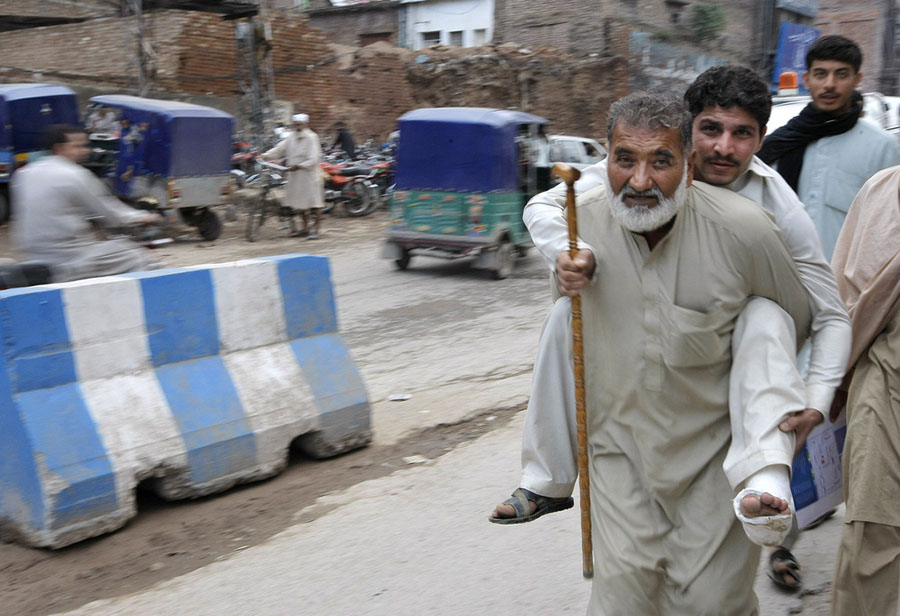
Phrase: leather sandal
[791,569]
[520,502]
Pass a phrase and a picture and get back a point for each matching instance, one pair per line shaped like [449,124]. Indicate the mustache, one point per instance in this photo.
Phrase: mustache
[721,159]
[649,192]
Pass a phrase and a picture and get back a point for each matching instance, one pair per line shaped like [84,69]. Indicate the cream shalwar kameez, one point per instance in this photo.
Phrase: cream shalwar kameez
[764,379]
[304,185]
[658,329]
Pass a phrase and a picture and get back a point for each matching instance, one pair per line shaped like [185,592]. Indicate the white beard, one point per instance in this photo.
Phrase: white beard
[640,218]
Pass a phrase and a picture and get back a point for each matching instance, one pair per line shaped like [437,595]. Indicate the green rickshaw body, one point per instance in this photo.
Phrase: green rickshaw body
[463,178]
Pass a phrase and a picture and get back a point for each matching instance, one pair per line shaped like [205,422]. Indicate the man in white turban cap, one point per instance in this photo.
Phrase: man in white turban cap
[302,153]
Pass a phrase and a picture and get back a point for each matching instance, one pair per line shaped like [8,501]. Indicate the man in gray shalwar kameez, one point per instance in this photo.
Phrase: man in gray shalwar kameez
[57,205]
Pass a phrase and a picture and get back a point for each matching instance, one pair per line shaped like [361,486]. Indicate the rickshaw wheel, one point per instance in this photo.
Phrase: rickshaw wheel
[255,218]
[208,224]
[505,261]
[403,262]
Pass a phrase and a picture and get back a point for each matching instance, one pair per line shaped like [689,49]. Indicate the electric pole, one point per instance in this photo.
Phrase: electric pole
[143,51]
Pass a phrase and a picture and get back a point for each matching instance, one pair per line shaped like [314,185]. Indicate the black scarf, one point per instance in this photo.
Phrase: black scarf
[787,145]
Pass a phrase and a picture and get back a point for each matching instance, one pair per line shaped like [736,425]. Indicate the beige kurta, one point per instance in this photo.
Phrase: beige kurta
[658,329]
[872,450]
[867,267]
[304,186]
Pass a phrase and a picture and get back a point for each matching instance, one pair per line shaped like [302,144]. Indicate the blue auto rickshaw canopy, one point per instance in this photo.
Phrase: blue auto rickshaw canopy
[461,149]
[183,139]
[27,109]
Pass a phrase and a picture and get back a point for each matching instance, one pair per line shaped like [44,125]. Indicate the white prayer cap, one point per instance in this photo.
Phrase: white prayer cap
[300,117]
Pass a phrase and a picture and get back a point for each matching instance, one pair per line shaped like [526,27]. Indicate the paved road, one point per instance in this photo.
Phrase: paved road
[418,542]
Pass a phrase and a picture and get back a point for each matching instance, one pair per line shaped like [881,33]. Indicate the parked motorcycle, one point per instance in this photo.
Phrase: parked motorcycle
[351,187]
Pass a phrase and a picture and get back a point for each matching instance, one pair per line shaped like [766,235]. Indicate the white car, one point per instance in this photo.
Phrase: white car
[882,111]
[579,152]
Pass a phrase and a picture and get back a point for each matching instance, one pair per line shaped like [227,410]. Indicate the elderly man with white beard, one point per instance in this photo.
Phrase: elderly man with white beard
[675,264]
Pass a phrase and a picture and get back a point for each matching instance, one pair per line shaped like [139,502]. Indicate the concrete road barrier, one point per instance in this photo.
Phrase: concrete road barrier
[189,380]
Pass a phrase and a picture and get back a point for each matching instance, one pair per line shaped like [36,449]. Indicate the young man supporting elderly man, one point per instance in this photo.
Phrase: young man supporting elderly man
[673,275]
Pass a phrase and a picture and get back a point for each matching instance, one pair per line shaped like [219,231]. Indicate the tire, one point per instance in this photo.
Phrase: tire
[4,207]
[209,224]
[505,260]
[357,198]
[255,218]
[403,262]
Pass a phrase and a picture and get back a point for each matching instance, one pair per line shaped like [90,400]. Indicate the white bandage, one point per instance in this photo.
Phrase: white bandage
[767,529]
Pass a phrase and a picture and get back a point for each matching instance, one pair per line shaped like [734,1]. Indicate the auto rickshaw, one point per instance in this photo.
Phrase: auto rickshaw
[463,178]
[26,109]
[166,156]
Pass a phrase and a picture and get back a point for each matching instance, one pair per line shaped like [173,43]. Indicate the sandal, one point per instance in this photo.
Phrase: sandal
[791,570]
[299,233]
[520,503]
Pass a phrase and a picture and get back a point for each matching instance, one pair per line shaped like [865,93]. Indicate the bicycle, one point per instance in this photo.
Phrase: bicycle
[269,178]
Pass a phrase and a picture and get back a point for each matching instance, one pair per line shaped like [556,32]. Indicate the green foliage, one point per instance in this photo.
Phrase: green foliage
[663,35]
[707,21]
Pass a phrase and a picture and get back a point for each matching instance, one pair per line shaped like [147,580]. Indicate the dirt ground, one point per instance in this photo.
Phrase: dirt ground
[338,233]
[168,539]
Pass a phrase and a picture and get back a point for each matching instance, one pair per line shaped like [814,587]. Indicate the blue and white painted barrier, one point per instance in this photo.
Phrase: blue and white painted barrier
[196,379]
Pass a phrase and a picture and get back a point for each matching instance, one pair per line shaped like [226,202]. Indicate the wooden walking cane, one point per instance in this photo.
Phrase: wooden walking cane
[569,175]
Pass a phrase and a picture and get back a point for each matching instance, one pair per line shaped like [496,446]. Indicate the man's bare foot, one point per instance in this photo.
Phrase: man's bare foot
[754,506]
[503,511]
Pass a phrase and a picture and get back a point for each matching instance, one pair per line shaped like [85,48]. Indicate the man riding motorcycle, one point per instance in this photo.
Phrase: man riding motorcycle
[57,204]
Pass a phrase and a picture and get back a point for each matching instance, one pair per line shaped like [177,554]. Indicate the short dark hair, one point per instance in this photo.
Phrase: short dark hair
[56,134]
[727,87]
[835,47]
[653,111]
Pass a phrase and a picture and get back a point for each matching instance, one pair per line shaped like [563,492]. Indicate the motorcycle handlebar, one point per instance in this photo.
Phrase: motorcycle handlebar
[266,163]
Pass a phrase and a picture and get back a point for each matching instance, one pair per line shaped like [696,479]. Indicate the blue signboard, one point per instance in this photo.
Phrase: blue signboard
[808,8]
[793,42]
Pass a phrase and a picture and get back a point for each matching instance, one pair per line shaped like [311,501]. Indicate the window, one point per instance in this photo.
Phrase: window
[676,11]
[431,38]
[456,39]
[480,37]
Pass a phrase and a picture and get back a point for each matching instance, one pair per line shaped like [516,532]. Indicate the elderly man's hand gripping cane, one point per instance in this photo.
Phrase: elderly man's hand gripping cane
[572,274]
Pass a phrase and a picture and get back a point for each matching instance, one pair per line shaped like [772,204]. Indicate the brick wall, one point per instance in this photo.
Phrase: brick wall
[351,27]
[367,87]
[573,93]
[53,8]
[99,51]
[580,27]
